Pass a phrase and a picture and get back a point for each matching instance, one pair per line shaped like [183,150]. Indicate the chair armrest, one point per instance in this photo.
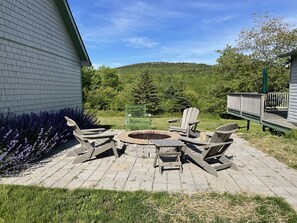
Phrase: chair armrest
[92,130]
[210,145]
[174,120]
[193,141]
[194,123]
[230,141]
[98,136]
[202,144]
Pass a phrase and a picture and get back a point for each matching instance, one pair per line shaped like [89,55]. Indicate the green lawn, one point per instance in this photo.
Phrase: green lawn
[207,121]
[35,204]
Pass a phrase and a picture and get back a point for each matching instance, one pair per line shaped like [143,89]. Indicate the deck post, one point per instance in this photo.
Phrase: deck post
[248,125]
[240,106]
[262,109]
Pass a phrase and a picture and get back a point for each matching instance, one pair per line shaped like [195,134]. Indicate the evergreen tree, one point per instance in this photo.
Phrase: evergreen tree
[145,93]
[177,98]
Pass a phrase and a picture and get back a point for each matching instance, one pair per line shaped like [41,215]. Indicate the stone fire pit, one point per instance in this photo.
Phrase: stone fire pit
[138,143]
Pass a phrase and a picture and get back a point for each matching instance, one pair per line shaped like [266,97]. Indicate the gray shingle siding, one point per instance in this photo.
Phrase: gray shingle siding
[39,66]
[292,113]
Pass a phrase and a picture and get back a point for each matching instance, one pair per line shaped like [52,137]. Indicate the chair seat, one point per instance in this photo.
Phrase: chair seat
[178,129]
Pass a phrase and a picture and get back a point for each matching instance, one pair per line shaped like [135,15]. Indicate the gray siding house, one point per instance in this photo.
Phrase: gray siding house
[41,54]
[292,107]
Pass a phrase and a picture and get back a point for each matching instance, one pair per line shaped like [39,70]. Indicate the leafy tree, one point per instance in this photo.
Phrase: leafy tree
[240,71]
[109,77]
[101,87]
[145,93]
[268,38]
[265,41]
[95,81]
[100,99]
[87,74]
[123,98]
[194,98]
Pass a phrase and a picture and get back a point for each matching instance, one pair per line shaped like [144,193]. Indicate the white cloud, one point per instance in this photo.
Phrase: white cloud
[206,5]
[97,65]
[112,65]
[141,42]
[217,20]
[199,50]
[123,20]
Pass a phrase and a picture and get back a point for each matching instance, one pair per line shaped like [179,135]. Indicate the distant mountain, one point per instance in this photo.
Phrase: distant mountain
[166,68]
[196,80]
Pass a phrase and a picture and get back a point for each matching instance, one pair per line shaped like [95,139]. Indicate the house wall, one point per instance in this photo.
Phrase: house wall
[292,110]
[39,66]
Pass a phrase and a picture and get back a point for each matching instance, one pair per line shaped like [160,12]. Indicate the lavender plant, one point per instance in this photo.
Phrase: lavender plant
[26,138]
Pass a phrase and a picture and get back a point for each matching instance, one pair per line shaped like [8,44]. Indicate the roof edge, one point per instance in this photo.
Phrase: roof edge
[73,31]
[291,53]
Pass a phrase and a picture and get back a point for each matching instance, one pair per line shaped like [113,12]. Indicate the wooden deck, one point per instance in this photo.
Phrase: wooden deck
[253,107]
[278,119]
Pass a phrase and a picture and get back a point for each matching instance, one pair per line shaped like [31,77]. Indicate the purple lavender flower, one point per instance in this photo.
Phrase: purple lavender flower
[28,137]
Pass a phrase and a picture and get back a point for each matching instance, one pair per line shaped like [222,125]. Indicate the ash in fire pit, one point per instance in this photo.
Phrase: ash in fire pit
[149,135]
[138,142]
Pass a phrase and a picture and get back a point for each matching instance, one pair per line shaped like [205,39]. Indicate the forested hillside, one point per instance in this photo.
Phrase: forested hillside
[177,86]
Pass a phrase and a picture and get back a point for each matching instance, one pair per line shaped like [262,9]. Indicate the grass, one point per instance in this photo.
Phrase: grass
[207,121]
[36,204]
[282,148]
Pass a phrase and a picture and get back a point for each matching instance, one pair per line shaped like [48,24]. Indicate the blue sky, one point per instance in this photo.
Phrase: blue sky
[122,32]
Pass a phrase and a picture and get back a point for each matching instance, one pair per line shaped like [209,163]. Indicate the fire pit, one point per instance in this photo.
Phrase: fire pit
[138,143]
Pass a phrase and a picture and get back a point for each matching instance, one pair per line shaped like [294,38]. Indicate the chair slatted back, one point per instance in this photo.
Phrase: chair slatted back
[73,125]
[189,115]
[217,150]
[221,135]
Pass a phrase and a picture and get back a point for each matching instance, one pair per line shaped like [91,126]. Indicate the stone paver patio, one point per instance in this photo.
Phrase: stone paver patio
[258,173]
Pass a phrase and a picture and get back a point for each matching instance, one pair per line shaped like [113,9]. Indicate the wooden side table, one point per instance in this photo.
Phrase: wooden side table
[169,158]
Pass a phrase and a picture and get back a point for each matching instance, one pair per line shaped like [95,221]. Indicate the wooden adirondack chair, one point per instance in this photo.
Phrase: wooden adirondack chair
[212,149]
[94,145]
[75,128]
[92,142]
[187,124]
[71,123]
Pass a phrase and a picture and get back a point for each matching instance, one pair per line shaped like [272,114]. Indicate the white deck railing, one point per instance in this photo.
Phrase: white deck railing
[278,100]
[246,104]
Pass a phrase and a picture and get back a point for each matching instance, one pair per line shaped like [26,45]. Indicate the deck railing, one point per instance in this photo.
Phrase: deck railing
[277,100]
[247,104]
